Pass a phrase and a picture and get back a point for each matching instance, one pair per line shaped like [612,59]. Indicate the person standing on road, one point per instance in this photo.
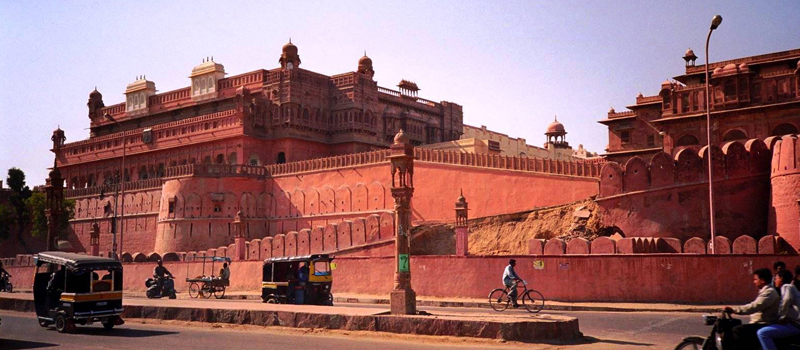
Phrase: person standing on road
[763,311]
[510,280]
[789,313]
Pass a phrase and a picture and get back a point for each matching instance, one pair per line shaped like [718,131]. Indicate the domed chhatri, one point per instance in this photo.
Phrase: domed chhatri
[289,57]
[400,138]
[365,65]
[555,129]
[95,95]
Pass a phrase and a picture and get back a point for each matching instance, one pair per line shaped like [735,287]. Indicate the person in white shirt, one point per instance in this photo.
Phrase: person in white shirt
[788,313]
[510,280]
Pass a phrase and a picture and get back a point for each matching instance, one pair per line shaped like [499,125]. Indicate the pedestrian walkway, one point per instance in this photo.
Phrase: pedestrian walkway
[519,327]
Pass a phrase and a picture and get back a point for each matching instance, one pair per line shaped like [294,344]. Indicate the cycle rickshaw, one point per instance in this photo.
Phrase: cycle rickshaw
[205,286]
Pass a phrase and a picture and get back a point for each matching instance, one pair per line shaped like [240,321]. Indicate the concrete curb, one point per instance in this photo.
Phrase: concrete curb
[485,305]
[542,329]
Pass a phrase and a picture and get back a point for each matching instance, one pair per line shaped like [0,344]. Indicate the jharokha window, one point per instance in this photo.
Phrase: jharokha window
[625,136]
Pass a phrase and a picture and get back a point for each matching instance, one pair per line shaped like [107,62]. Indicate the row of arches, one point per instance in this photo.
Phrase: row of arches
[737,135]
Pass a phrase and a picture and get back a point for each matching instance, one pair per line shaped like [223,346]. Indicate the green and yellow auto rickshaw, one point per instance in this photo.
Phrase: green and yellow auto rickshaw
[298,280]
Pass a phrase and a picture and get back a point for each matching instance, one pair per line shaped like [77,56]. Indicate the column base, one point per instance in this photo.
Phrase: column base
[403,302]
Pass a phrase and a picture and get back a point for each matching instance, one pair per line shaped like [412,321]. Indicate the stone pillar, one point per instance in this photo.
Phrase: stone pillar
[240,237]
[462,229]
[403,300]
[94,240]
[54,188]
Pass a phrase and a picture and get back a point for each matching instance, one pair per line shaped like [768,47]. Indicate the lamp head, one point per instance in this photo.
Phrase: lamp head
[716,21]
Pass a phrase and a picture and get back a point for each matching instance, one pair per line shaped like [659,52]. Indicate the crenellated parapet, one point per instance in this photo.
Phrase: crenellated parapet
[784,206]
[743,245]
[688,167]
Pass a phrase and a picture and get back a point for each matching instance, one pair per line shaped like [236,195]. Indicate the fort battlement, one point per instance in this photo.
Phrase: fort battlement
[668,196]
[784,206]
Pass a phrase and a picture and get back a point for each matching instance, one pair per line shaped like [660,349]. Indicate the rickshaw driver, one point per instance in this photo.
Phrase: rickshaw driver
[160,272]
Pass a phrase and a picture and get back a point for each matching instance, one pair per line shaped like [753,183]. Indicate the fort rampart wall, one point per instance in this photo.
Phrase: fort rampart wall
[667,196]
[192,207]
[668,278]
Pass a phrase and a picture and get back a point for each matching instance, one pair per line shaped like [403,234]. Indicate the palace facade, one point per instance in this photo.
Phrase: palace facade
[752,97]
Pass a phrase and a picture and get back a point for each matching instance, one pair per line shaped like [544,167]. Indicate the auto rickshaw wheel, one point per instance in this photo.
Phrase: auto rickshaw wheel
[44,323]
[272,300]
[108,325]
[62,324]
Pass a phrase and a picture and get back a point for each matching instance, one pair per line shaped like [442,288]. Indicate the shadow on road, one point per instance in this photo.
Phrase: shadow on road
[12,344]
[119,332]
[593,340]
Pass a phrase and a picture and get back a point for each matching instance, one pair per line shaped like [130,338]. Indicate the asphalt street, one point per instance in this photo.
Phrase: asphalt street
[603,330]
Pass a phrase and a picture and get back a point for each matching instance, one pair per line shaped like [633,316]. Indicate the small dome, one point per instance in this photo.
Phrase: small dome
[666,82]
[717,71]
[611,110]
[401,137]
[689,53]
[640,95]
[289,47]
[555,128]
[730,66]
[365,61]
[95,95]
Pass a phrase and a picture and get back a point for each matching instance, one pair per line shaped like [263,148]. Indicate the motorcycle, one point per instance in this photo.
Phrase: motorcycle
[167,289]
[5,285]
[721,337]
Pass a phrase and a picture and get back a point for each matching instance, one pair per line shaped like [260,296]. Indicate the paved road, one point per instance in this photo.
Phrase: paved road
[604,330]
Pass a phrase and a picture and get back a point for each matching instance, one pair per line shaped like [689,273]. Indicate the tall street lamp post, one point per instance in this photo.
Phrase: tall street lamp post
[715,22]
[122,180]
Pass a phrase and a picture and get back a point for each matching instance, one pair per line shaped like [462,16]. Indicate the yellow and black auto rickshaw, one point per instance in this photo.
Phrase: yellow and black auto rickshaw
[72,288]
[298,280]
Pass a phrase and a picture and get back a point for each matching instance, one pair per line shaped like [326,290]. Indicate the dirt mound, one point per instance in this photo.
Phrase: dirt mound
[510,233]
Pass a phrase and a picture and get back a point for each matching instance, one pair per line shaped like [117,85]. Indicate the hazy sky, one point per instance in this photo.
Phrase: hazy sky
[512,65]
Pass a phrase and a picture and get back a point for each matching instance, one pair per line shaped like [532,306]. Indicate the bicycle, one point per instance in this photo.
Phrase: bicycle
[532,300]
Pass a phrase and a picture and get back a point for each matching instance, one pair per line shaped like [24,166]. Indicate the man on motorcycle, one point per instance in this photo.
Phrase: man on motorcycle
[3,273]
[159,273]
[763,311]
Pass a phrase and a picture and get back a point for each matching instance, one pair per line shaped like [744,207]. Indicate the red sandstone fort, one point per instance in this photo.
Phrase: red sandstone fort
[303,157]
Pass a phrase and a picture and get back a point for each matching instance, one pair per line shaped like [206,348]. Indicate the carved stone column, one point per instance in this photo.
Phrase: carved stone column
[94,239]
[54,188]
[240,237]
[461,227]
[403,300]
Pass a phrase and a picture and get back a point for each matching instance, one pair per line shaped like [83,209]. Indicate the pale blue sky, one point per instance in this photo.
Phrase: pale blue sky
[512,65]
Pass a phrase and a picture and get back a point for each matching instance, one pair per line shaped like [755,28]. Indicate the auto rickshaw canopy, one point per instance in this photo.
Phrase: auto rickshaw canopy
[291,259]
[77,262]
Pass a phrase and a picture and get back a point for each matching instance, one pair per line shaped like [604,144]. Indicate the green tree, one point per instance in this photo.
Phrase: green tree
[7,218]
[37,204]
[19,193]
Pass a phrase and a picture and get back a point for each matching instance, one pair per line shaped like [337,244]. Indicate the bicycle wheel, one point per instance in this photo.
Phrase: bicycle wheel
[219,292]
[499,299]
[533,301]
[194,290]
[206,290]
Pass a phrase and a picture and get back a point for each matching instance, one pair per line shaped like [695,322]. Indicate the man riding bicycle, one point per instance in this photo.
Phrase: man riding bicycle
[510,280]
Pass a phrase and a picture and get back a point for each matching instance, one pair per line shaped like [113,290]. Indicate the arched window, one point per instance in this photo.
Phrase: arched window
[281,158]
[207,160]
[733,135]
[305,114]
[254,160]
[687,140]
[232,158]
[784,129]
[160,171]
[220,159]
[143,173]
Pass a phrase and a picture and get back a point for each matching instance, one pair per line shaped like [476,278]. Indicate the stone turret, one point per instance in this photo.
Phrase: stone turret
[784,213]
[289,57]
